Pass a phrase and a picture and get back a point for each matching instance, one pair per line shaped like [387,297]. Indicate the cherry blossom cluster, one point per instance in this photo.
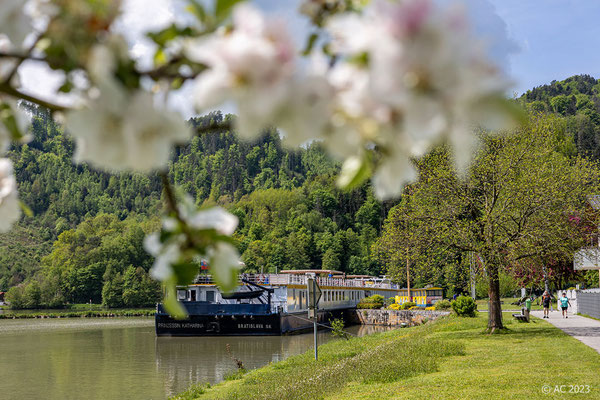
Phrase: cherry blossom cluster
[407,75]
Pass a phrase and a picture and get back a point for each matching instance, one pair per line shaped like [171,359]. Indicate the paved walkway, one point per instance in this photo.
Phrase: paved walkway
[584,329]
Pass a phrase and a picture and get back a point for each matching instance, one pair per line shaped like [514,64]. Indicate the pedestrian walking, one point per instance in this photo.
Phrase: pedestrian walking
[564,304]
[546,298]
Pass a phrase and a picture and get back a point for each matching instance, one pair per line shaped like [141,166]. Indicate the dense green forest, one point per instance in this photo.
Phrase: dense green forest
[577,100]
[84,239]
[85,235]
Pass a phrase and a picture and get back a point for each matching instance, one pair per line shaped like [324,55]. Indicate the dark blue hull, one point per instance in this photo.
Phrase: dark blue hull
[238,320]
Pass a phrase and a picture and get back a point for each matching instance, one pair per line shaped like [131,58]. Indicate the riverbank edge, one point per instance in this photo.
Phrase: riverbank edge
[491,366]
[81,314]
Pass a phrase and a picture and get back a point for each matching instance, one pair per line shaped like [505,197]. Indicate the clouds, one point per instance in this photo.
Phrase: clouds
[493,30]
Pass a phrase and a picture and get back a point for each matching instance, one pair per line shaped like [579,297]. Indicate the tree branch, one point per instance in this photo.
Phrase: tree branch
[12,92]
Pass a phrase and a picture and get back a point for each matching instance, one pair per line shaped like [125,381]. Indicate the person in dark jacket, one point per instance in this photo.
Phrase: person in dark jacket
[546,298]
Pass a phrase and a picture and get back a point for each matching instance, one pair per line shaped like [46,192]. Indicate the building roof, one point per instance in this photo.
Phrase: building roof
[310,271]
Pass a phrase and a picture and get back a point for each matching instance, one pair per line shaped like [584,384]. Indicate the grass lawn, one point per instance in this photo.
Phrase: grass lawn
[483,305]
[448,359]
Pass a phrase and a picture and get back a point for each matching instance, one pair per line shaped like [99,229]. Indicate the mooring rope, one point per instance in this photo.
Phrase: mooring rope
[323,325]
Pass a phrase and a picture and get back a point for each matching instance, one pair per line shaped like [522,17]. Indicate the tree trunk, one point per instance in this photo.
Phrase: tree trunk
[546,281]
[495,309]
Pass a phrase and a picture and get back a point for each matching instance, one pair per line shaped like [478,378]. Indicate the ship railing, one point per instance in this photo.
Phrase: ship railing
[289,279]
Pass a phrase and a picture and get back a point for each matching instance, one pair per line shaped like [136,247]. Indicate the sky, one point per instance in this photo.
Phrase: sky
[533,41]
[557,39]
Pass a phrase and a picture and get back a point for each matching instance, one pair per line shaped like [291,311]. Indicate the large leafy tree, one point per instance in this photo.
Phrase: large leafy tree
[515,203]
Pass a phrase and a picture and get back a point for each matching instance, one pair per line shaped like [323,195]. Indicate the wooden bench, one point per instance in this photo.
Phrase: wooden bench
[523,317]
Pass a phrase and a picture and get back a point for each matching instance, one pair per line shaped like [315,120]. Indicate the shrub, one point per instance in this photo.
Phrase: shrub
[337,328]
[394,306]
[234,375]
[32,295]
[389,301]
[464,306]
[15,298]
[442,305]
[372,302]
[408,305]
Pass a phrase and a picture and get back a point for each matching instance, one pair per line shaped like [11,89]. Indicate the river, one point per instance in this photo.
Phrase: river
[121,358]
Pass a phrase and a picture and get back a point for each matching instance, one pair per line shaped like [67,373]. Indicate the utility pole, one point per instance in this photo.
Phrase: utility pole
[408,275]
[472,275]
[314,295]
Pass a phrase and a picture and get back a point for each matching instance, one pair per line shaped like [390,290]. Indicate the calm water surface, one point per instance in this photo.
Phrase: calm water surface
[121,358]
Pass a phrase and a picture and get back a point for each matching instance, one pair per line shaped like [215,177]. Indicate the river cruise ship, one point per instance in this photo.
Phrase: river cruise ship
[268,304]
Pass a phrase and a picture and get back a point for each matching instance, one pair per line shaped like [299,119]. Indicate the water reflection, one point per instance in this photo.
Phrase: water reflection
[122,358]
[181,360]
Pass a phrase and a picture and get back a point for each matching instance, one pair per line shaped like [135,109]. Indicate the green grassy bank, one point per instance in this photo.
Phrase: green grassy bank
[141,312]
[483,304]
[447,359]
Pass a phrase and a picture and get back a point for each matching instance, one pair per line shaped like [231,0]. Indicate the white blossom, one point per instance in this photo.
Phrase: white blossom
[123,131]
[252,65]
[306,111]
[225,264]
[224,258]
[10,210]
[411,76]
[214,218]
[164,256]
[6,64]
[121,128]
[14,21]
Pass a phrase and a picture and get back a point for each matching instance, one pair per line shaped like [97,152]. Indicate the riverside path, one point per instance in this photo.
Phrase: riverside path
[584,329]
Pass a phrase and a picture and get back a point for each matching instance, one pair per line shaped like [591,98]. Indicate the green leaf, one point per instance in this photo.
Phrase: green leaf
[198,10]
[185,272]
[496,112]
[66,87]
[173,307]
[162,37]
[160,58]
[310,43]
[177,83]
[223,8]
[171,32]
[9,120]
[355,171]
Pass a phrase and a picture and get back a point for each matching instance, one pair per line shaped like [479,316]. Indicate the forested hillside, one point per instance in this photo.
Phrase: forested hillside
[577,99]
[84,239]
[291,215]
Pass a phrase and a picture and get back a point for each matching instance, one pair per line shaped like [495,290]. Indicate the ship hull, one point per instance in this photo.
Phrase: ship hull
[271,324]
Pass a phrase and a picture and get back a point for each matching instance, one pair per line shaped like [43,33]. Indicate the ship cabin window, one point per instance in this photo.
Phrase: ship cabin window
[182,295]
[210,296]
